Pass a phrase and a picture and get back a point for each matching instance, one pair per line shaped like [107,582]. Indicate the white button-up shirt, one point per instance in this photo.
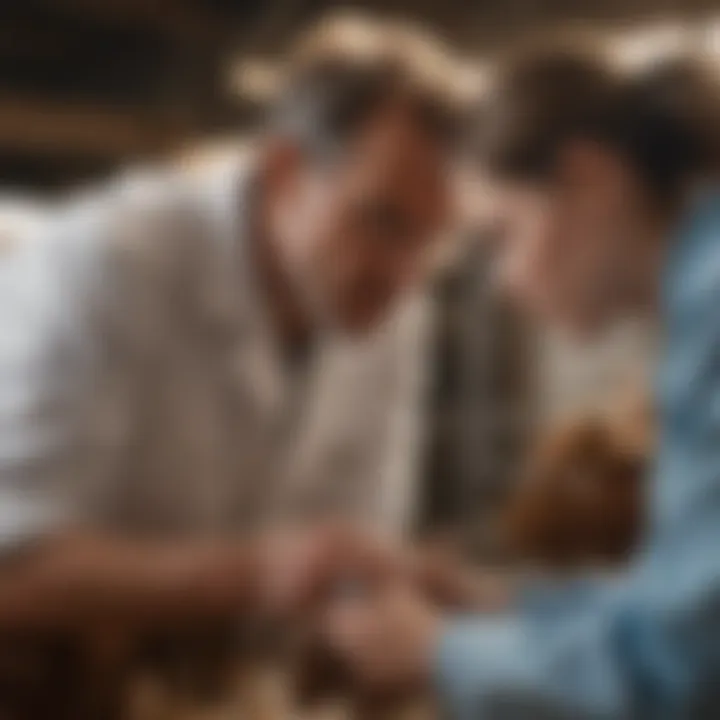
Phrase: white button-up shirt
[141,389]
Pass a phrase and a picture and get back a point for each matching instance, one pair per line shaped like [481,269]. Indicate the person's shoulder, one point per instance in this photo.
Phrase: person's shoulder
[21,217]
[693,265]
[148,221]
[139,207]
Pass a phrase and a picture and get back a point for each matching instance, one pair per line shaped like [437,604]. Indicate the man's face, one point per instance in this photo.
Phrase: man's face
[569,251]
[358,232]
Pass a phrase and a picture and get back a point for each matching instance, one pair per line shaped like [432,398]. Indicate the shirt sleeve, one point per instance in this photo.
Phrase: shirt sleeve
[507,669]
[647,650]
[545,596]
[53,285]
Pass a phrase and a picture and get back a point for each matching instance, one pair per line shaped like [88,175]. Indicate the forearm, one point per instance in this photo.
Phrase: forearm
[456,584]
[462,587]
[88,578]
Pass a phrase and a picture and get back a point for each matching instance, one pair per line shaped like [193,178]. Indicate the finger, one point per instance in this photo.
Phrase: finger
[344,623]
[294,564]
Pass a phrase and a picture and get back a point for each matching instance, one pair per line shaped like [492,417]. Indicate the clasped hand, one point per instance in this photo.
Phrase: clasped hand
[377,606]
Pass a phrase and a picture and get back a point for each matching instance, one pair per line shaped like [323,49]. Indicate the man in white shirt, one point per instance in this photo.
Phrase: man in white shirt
[186,359]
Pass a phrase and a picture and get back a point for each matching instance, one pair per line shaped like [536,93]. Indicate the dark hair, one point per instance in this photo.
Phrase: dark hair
[664,121]
[333,89]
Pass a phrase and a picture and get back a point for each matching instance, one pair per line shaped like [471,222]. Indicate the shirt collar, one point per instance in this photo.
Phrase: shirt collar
[236,299]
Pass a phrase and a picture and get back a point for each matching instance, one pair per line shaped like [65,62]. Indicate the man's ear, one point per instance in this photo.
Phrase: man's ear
[582,162]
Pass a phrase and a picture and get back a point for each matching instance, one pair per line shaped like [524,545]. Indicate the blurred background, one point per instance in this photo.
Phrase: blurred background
[90,84]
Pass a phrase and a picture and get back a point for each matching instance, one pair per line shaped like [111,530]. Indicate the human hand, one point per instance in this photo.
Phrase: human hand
[387,637]
[301,568]
[454,584]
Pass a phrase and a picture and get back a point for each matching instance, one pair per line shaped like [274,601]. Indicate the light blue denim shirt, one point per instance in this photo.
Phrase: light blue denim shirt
[647,646]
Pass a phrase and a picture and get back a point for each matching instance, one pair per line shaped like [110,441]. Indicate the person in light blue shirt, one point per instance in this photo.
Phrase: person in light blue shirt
[607,201]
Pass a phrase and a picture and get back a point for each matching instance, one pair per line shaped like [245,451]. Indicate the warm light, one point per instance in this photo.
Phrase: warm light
[255,79]
[472,80]
[711,32]
[638,48]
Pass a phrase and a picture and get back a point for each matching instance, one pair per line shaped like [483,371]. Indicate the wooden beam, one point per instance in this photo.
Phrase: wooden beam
[44,129]
[169,16]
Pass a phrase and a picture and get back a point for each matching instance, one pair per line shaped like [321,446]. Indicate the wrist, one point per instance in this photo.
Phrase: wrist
[435,626]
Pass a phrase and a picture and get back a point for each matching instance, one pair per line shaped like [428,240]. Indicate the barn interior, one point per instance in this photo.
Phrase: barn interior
[89,88]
